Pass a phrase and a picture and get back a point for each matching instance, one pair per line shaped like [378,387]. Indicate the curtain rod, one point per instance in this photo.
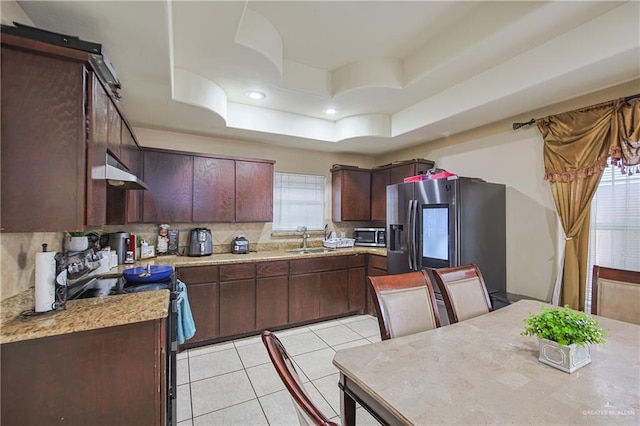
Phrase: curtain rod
[516,126]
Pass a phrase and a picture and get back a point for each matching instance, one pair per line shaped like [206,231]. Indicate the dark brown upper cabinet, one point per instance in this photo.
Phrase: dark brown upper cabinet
[189,187]
[170,179]
[214,195]
[351,193]
[254,191]
[392,174]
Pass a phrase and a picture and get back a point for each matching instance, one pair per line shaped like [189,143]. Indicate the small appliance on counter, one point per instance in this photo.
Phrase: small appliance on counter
[240,245]
[200,242]
[371,237]
[118,241]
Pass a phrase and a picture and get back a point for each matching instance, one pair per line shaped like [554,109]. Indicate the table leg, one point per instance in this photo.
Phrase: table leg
[347,405]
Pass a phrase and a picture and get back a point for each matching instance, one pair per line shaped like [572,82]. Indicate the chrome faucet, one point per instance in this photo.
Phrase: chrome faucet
[305,235]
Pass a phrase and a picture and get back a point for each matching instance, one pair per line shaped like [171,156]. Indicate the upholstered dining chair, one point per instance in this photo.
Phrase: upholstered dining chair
[464,292]
[308,413]
[615,293]
[405,304]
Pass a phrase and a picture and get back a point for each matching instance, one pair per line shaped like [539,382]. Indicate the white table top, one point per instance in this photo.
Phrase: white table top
[482,371]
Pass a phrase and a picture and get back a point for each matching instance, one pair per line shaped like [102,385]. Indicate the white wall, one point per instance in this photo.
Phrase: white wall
[497,153]
[11,12]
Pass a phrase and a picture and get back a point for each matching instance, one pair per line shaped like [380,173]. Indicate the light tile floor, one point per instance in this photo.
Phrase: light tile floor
[234,383]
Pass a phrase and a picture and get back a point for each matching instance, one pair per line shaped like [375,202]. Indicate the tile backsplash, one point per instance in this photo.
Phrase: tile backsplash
[19,249]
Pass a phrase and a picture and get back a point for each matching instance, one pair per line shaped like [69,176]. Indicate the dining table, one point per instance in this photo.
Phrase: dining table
[483,371]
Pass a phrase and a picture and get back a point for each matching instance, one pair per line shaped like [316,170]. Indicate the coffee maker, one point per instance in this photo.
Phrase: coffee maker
[119,241]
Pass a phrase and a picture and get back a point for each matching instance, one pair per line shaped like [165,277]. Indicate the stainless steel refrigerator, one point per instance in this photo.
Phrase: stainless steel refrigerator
[448,222]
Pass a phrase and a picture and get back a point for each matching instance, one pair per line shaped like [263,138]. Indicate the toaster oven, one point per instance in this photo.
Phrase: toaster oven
[371,237]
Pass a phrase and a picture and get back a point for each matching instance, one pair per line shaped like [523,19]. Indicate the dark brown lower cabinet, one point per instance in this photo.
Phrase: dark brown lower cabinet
[304,294]
[203,291]
[237,298]
[357,283]
[334,293]
[110,376]
[237,307]
[272,294]
[245,298]
[377,266]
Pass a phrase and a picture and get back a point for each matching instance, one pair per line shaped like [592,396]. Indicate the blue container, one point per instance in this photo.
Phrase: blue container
[158,273]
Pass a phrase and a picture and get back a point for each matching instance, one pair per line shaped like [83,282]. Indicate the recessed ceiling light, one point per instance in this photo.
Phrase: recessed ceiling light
[330,111]
[254,94]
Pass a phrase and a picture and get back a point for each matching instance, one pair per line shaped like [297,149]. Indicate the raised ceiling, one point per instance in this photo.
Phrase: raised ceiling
[398,73]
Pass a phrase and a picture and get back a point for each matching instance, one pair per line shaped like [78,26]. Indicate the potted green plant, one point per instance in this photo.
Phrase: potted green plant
[564,336]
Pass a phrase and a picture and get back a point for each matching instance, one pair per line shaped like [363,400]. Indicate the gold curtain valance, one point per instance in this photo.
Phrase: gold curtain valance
[578,143]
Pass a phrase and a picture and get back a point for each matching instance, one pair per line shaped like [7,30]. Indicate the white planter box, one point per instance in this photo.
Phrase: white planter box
[565,358]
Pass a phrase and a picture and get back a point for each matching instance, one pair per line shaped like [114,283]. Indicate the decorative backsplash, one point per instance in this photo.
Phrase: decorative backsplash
[19,249]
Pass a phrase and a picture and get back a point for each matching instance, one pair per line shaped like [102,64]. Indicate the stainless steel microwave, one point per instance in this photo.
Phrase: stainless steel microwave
[372,237]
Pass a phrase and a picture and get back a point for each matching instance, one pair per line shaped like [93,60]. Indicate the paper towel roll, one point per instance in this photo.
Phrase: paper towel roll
[45,281]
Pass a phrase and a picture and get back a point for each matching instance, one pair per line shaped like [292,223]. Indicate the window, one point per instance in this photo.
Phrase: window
[614,239]
[298,200]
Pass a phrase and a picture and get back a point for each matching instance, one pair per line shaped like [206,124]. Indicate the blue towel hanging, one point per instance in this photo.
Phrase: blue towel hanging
[186,325]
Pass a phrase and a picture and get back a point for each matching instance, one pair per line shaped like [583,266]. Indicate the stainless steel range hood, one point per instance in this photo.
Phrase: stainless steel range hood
[116,175]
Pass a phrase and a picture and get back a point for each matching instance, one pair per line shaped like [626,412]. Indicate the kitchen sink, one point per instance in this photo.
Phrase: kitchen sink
[310,250]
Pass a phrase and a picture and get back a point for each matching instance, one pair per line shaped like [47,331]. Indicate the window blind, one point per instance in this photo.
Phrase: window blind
[298,200]
[614,239]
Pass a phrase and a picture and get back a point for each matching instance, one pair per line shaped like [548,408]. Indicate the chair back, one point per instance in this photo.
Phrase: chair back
[616,294]
[308,413]
[464,292]
[405,304]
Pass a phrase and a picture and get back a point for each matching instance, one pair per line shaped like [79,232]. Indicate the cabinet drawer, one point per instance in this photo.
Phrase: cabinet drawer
[378,262]
[272,269]
[240,271]
[315,264]
[198,274]
[357,260]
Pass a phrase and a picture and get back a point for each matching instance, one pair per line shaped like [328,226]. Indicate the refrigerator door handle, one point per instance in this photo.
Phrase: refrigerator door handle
[410,237]
[414,236]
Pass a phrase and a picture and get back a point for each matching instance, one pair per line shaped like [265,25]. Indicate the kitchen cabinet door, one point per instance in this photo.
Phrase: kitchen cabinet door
[43,141]
[377,266]
[391,175]
[272,302]
[213,190]
[379,181]
[357,283]
[134,162]
[237,307]
[304,298]
[108,376]
[98,126]
[334,293]
[272,294]
[114,135]
[203,291]
[351,194]
[169,177]
[237,299]
[254,191]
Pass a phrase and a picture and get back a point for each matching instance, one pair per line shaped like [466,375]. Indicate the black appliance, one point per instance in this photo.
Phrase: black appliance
[200,242]
[240,245]
[448,222]
[115,286]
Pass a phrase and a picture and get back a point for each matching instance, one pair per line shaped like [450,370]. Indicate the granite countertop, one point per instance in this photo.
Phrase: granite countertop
[79,315]
[110,311]
[261,256]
